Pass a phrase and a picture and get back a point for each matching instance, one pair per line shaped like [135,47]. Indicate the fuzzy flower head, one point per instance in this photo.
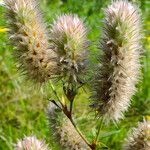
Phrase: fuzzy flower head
[139,138]
[64,131]
[28,34]
[117,75]
[69,40]
[31,143]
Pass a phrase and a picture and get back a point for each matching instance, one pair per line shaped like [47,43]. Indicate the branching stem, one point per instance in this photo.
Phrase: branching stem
[68,113]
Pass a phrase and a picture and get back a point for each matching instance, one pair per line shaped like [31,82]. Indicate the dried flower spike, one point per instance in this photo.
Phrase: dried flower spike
[69,40]
[140,138]
[31,143]
[119,72]
[28,34]
[63,130]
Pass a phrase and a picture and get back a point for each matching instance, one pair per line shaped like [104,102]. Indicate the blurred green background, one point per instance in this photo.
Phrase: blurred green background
[23,109]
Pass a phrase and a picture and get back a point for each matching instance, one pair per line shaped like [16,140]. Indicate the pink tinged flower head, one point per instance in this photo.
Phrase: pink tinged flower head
[31,143]
[139,139]
[63,130]
[116,78]
[69,39]
[28,34]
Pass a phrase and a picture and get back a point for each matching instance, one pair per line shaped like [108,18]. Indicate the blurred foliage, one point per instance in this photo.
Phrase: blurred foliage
[22,108]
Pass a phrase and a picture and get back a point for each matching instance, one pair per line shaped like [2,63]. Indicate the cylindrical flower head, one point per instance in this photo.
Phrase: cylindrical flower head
[118,74]
[139,138]
[31,143]
[63,130]
[28,34]
[69,40]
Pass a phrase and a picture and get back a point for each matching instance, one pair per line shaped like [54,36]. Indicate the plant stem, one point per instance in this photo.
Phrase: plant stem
[71,94]
[75,126]
[68,113]
[79,132]
[98,132]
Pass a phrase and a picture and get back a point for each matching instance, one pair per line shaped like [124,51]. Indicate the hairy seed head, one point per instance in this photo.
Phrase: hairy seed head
[28,34]
[63,130]
[119,71]
[139,139]
[69,40]
[31,143]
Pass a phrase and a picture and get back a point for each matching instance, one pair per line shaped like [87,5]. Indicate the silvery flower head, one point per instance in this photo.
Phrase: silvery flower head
[29,36]
[119,70]
[69,40]
[31,143]
[139,139]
